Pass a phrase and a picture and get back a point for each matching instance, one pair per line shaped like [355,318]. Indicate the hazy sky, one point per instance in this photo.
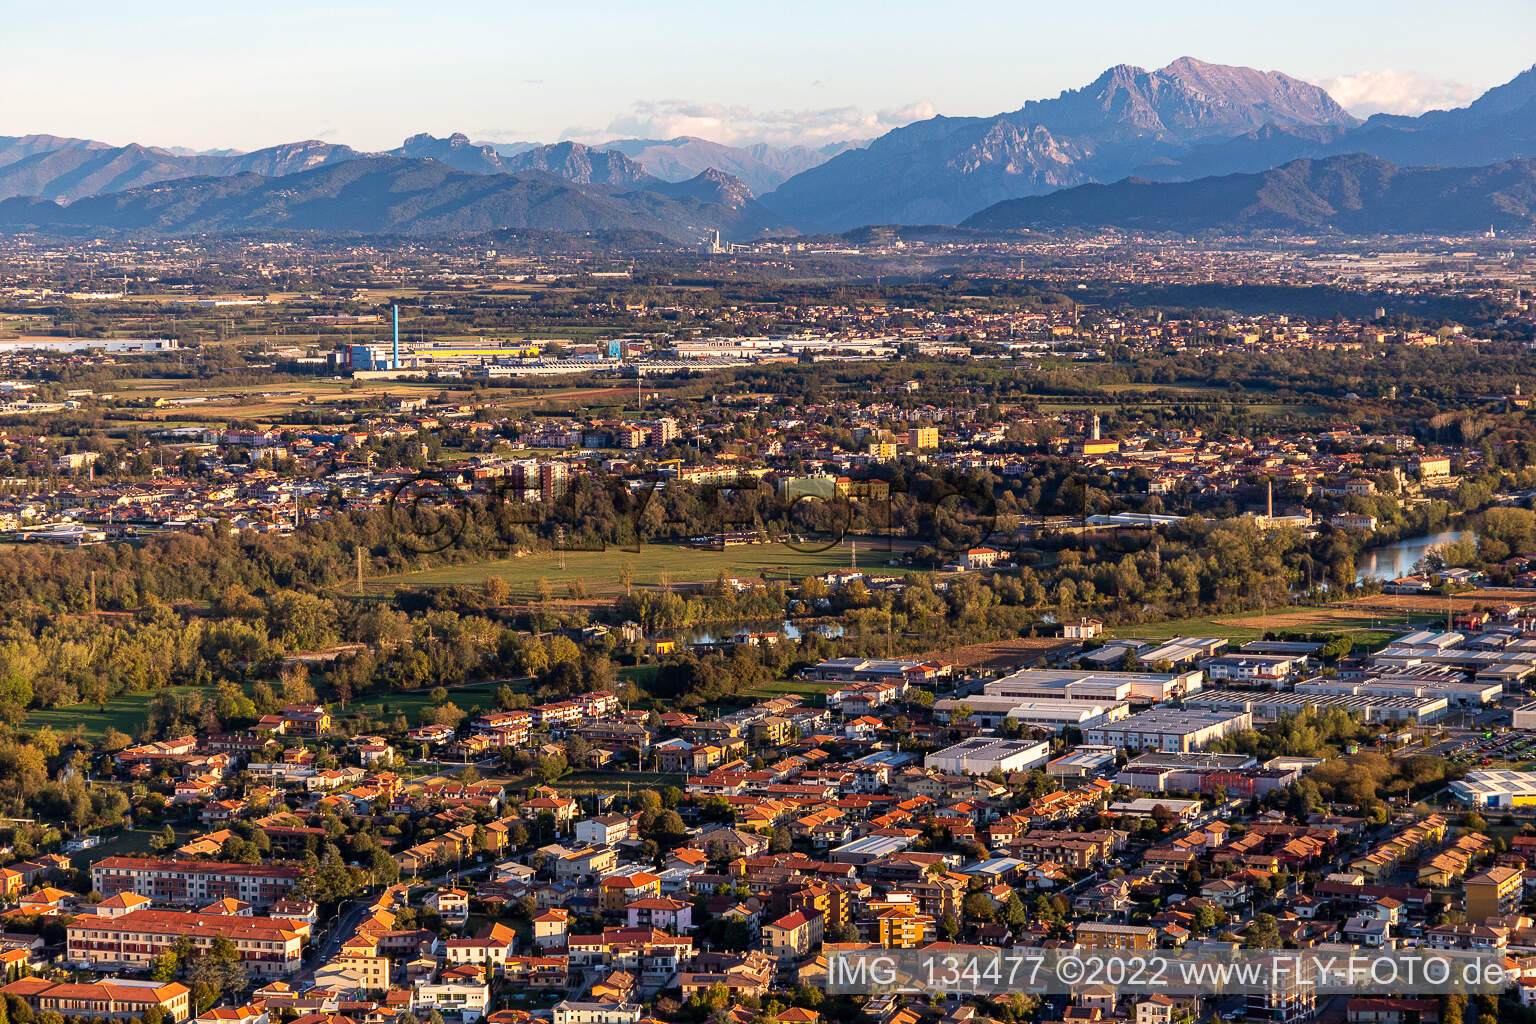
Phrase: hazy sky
[211,75]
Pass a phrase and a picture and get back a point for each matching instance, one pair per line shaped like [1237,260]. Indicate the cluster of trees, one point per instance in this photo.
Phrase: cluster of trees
[707,1003]
[668,609]
[1366,780]
[210,973]
[1501,532]
[1196,567]
[1309,733]
[44,783]
[1353,771]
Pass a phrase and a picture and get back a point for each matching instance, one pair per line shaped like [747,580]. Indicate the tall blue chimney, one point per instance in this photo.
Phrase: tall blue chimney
[395,360]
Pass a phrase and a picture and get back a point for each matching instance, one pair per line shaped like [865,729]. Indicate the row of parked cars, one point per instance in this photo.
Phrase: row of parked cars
[1493,747]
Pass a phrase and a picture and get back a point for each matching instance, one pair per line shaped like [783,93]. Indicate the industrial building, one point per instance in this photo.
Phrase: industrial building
[1268,707]
[1159,772]
[873,670]
[981,754]
[867,848]
[1457,692]
[1524,716]
[1494,659]
[1170,729]
[1496,788]
[1238,775]
[1057,714]
[523,367]
[1174,653]
[1082,762]
[1077,684]
[113,346]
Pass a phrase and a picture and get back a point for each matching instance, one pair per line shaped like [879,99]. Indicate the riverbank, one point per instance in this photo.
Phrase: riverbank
[1398,558]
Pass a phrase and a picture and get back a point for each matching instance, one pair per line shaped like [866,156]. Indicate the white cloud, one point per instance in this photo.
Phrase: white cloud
[743,125]
[503,134]
[1391,91]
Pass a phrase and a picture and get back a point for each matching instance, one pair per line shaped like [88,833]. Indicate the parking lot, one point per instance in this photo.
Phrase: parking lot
[1498,748]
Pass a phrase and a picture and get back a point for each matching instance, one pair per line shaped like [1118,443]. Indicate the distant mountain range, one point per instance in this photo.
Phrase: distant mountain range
[1187,122]
[68,169]
[762,168]
[398,195]
[1356,194]
[572,161]
[1500,125]
[944,169]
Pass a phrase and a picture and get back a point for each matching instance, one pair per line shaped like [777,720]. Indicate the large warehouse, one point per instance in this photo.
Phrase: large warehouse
[1169,729]
[1524,717]
[980,754]
[1498,787]
[1267,707]
[1458,692]
[1077,684]
[1057,714]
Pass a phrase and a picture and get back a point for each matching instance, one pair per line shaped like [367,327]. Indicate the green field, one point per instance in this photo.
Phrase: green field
[1367,630]
[126,713]
[641,675]
[781,687]
[595,780]
[130,843]
[129,712]
[598,571]
[412,702]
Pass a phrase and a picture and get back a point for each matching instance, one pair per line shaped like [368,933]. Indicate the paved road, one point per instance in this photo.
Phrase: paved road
[346,923]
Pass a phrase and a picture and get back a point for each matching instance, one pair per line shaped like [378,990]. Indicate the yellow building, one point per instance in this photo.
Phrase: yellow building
[1443,868]
[1493,893]
[920,438]
[900,924]
[360,974]
[793,936]
[619,891]
[1103,935]
[829,901]
[874,490]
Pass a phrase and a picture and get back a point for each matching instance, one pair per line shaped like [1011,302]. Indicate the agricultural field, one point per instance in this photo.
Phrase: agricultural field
[783,687]
[999,655]
[1367,625]
[411,703]
[272,402]
[134,842]
[597,780]
[126,713]
[1436,605]
[598,571]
